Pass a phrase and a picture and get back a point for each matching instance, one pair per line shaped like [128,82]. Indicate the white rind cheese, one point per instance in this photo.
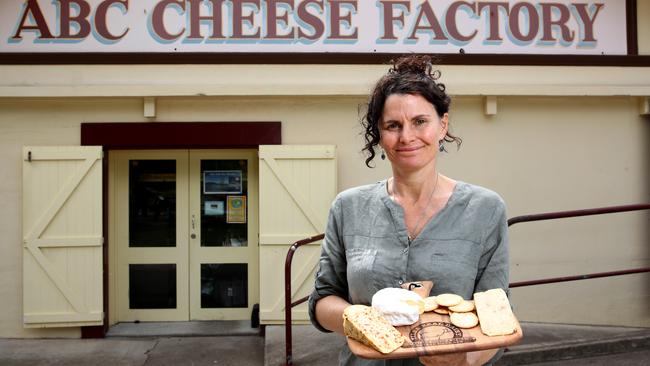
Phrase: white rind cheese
[398,306]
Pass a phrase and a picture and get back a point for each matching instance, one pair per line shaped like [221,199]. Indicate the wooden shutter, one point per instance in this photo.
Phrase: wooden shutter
[297,186]
[62,236]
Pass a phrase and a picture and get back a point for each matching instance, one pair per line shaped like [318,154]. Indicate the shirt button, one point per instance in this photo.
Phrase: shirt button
[400,282]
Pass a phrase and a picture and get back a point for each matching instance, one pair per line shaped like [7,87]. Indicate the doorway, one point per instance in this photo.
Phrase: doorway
[185,234]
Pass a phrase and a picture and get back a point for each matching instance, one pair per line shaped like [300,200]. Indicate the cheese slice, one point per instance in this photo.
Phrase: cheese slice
[399,306]
[366,325]
[494,313]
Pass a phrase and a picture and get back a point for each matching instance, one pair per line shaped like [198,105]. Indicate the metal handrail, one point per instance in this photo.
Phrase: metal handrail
[512,221]
[577,213]
[287,294]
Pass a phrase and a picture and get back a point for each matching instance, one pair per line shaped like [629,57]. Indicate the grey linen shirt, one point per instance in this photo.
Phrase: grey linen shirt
[463,249]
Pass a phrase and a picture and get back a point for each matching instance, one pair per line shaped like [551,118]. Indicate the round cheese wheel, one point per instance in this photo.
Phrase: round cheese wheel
[398,306]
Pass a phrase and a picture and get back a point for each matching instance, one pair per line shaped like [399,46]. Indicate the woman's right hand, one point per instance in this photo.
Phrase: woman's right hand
[449,359]
[329,313]
[459,359]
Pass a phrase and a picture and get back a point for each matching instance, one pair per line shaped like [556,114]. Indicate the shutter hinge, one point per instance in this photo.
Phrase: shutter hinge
[29,156]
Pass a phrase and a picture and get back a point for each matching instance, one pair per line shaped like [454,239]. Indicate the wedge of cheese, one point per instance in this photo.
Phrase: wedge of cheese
[366,325]
[494,313]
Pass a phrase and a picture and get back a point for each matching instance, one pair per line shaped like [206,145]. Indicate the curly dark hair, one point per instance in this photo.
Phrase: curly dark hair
[410,74]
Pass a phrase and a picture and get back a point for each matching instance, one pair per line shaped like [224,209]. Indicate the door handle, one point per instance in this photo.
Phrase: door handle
[193,235]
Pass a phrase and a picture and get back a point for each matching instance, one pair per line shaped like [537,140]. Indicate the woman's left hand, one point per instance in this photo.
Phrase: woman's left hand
[459,359]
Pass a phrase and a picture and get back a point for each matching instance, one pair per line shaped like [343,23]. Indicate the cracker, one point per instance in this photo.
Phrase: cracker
[495,313]
[448,299]
[464,320]
[430,303]
[464,307]
[441,310]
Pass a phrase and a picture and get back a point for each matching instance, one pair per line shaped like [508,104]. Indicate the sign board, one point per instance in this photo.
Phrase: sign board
[596,27]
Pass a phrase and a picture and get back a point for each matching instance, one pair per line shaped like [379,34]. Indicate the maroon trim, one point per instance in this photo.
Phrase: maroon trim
[168,135]
[181,135]
[152,58]
[632,30]
[95,331]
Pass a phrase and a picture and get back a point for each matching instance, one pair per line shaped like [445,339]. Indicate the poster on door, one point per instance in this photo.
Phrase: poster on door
[222,181]
[236,210]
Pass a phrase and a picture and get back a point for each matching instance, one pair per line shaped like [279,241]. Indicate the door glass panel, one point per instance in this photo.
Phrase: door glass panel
[152,286]
[224,285]
[152,203]
[224,189]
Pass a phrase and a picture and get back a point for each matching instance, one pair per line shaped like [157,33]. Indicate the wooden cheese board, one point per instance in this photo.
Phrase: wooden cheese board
[434,334]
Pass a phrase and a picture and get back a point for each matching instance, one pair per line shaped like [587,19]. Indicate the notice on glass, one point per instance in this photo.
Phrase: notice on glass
[236,210]
[222,181]
[214,208]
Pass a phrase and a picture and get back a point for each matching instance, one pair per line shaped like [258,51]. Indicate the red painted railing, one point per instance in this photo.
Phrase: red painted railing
[515,220]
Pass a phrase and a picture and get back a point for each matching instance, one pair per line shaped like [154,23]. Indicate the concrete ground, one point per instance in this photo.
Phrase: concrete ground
[620,359]
[212,344]
[199,351]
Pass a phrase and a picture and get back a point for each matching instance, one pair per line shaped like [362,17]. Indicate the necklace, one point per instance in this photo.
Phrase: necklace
[423,214]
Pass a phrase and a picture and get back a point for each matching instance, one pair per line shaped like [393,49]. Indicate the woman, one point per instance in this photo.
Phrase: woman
[416,225]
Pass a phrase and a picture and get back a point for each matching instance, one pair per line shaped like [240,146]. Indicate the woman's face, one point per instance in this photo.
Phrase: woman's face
[409,130]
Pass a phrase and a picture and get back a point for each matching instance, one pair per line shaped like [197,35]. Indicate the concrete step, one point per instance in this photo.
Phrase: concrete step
[183,329]
[556,342]
[542,342]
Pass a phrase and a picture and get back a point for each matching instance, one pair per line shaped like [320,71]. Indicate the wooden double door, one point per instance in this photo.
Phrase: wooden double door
[186,232]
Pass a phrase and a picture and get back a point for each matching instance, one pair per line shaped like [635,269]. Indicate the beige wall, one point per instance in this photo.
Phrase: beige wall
[36,122]
[540,153]
[548,154]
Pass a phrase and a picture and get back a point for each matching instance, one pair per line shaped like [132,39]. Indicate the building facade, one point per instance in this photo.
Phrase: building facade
[156,185]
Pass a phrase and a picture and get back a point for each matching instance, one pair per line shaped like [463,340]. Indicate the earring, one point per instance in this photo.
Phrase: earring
[383,155]
[441,147]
